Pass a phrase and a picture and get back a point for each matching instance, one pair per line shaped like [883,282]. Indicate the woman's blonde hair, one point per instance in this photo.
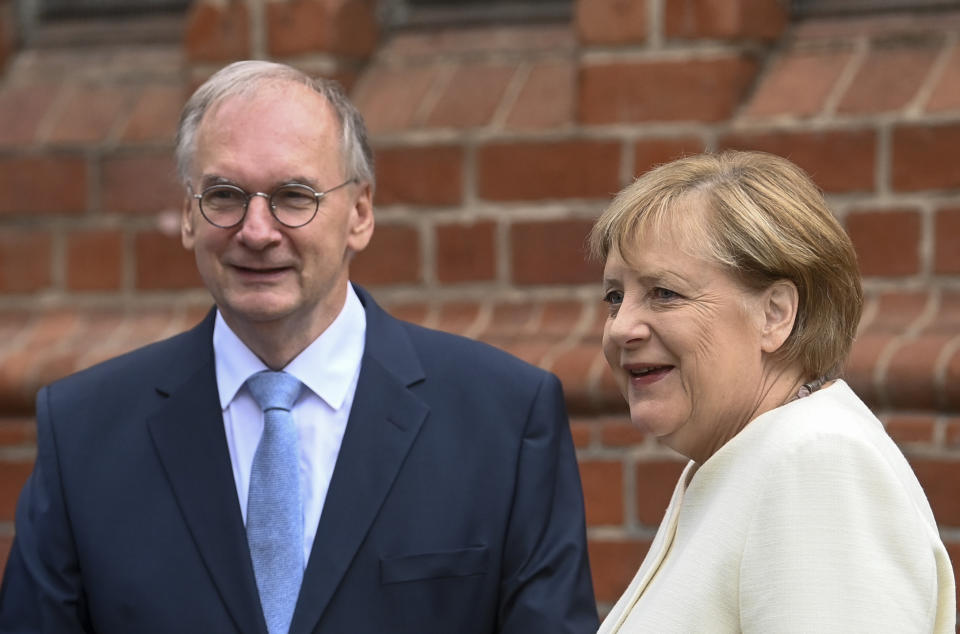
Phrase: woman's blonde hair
[765,221]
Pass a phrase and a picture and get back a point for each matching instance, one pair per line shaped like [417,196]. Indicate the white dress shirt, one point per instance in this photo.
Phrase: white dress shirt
[329,368]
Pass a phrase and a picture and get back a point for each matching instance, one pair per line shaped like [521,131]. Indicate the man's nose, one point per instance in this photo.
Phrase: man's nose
[259,226]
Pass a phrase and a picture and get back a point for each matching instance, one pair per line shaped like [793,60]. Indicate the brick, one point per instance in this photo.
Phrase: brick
[946,241]
[581,432]
[888,80]
[611,21]
[13,474]
[545,100]
[17,432]
[512,320]
[898,311]
[8,44]
[91,114]
[573,368]
[22,108]
[458,317]
[25,261]
[602,482]
[923,157]
[422,175]
[530,351]
[904,428]
[724,19]
[839,161]
[621,432]
[687,90]
[559,318]
[415,313]
[887,242]
[393,257]
[953,431]
[217,32]
[155,115]
[951,381]
[946,93]
[163,264]
[860,365]
[656,480]
[551,253]
[44,184]
[5,544]
[953,552]
[347,27]
[140,184]
[94,260]
[613,564]
[799,83]
[548,170]
[939,481]
[471,96]
[390,98]
[648,153]
[466,253]
[910,380]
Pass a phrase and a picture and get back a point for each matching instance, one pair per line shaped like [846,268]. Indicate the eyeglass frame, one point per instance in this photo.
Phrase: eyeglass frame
[318,196]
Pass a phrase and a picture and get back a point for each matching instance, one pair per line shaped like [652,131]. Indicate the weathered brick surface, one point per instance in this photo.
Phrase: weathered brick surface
[799,83]
[471,96]
[887,242]
[946,93]
[655,481]
[687,90]
[23,108]
[466,253]
[548,170]
[613,564]
[602,482]
[611,21]
[390,99]
[217,32]
[946,249]
[25,264]
[838,160]
[648,153]
[551,253]
[140,183]
[155,114]
[163,264]
[94,260]
[888,80]
[393,257]
[50,184]
[90,115]
[13,473]
[346,28]
[923,157]
[546,100]
[419,175]
[725,19]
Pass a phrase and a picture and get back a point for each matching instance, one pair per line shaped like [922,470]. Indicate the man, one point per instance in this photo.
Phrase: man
[412,481]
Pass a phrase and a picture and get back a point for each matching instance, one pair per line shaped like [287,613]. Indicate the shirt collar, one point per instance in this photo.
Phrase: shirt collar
[327,366]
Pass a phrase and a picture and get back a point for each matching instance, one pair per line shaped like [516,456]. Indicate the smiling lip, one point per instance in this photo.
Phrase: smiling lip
[646,373]
[260,273]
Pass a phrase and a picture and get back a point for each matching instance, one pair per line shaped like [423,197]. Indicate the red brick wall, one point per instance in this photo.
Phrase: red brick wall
[496,147]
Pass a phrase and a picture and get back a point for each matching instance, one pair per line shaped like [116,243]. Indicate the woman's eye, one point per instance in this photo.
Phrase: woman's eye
[664,293]
[613,297]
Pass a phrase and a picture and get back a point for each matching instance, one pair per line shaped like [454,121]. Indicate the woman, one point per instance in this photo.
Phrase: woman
[734,298]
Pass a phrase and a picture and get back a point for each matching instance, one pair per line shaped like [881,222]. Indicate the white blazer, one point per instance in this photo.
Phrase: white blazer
[808,520]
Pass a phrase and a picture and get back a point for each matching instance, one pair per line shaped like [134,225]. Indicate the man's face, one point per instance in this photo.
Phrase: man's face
[261,273]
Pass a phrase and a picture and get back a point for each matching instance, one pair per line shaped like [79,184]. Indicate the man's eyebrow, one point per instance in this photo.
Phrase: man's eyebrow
[208,180]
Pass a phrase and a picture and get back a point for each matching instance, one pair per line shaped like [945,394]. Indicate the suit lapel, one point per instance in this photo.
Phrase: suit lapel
[188,434]
[384,422]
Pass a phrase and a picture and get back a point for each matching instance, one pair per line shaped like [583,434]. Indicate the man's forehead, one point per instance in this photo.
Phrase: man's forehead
[265,98]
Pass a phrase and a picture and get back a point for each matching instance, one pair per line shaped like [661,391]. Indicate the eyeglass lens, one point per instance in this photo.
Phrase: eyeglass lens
[225,205]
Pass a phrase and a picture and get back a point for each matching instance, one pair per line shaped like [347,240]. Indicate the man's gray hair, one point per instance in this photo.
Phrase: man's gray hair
[244,77]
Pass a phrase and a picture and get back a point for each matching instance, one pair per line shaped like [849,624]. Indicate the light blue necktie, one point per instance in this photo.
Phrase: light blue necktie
[274,520]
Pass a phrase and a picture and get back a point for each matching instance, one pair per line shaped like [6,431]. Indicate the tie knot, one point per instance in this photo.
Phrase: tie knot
[274,390]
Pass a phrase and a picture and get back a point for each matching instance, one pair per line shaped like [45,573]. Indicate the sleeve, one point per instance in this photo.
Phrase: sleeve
[837,544]
[41,590]
[546,585]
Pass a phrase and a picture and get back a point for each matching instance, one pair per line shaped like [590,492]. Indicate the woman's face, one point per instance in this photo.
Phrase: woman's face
[683,340]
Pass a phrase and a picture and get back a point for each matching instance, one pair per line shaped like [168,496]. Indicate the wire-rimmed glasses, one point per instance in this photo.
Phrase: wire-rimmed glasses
[293,204]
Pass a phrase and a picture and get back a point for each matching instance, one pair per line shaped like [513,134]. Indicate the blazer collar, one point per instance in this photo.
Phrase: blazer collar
[384,422]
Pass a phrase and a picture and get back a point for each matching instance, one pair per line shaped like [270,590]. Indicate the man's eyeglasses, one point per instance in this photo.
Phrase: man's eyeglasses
[293,205]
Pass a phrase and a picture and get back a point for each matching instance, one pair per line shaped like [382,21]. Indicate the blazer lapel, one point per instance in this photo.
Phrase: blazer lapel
[188,434]
[384,422]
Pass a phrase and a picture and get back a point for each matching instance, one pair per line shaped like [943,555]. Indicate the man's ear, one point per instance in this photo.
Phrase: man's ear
[780,303]
[187,223]
[361,221]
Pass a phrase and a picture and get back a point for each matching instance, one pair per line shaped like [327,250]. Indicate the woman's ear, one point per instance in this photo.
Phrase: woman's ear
[780,301]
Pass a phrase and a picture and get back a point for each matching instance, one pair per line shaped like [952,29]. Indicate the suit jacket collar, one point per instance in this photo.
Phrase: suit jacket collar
[188,433]
[384,422]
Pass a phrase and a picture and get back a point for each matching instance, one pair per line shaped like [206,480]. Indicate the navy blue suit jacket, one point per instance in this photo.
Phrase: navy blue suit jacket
[455,505]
